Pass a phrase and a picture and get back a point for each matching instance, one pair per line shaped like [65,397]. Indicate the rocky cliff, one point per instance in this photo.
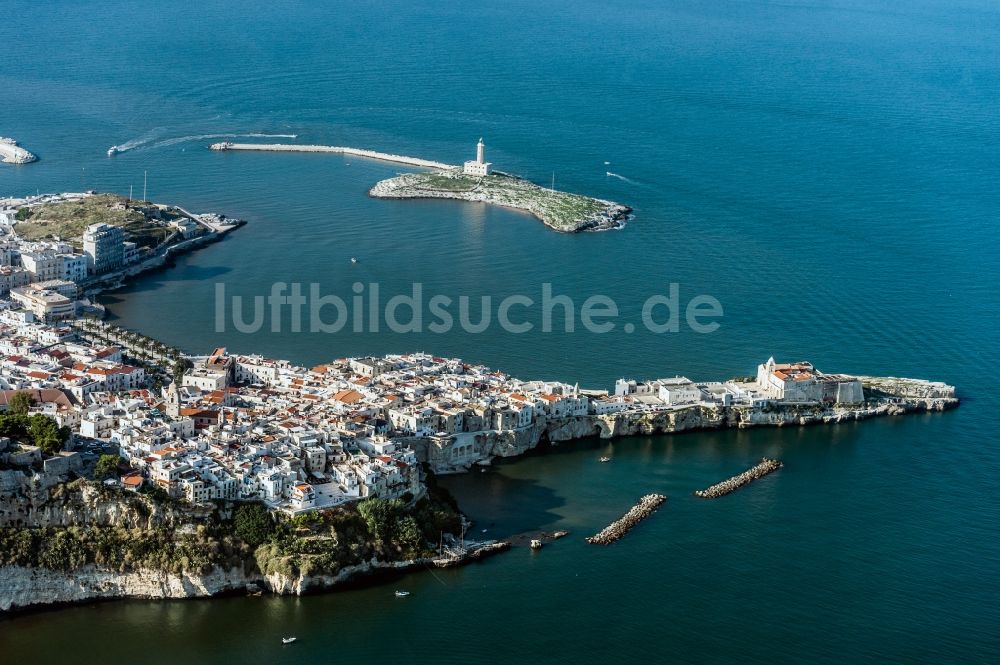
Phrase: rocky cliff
[889,397]
[24,501]
[23,588]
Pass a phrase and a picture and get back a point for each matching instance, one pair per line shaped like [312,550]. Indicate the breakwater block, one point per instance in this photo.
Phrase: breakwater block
[759,470]
[647,506]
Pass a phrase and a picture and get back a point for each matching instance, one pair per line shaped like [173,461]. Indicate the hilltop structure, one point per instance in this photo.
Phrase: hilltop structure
[479,166]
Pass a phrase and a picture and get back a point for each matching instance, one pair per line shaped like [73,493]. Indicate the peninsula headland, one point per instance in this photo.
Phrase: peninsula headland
[171,476]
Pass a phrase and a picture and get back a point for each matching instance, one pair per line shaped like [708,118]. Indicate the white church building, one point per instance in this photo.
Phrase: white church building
[479,166]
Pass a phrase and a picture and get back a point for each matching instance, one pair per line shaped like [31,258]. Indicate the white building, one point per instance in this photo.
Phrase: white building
[479,166]
[13,278]
[679,390]
[74,267]
[43,266]
[44,304]
[104,247]
[130,253]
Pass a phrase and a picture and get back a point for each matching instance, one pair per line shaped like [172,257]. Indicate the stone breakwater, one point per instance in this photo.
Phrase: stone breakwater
[12,153]
[764,467]
[357,152]
[647,506]
[560,211]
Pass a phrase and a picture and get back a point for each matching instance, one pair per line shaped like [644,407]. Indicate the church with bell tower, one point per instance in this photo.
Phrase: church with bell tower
[478,166]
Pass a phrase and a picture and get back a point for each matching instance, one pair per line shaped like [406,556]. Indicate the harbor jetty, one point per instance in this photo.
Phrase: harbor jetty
[759,470]
[647,506]
[12,153]
[357,152]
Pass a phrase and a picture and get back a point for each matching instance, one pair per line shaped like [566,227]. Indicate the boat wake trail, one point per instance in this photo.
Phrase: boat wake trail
[621,177]
[206,137]
[148,137]
[151,139]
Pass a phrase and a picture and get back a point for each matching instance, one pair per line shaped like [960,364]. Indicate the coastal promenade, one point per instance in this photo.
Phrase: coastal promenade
[357,152]
[12,153]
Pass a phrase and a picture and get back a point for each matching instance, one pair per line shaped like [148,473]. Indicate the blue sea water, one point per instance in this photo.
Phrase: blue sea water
[827,170]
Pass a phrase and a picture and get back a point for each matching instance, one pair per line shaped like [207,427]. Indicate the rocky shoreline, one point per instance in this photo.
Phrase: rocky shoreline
[560,211]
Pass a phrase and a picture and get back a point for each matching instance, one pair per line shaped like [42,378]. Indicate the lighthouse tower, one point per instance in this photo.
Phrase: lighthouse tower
[480,166]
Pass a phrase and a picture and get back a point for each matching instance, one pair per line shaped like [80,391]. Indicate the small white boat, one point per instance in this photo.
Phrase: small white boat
[353,260]
[288,640]
[113,150]
[605,459]
[536,544]
[402,594]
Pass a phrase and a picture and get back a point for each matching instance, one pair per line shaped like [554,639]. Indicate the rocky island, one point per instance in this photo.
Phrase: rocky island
[560,211]
[12,153]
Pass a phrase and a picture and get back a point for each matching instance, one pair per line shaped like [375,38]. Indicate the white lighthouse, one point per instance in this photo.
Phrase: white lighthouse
[480,166]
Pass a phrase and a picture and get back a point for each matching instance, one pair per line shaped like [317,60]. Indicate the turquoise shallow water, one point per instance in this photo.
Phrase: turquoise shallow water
[826,170]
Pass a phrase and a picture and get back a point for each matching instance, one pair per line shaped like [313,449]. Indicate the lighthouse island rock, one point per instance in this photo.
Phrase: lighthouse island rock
[477,181]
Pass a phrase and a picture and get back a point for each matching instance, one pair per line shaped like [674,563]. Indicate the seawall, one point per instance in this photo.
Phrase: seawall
[357,152]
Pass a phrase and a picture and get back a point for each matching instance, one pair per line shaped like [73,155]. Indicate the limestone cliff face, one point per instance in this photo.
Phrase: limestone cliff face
[23,588]
[310,583]
[31,587]
[897,397]
[26,503]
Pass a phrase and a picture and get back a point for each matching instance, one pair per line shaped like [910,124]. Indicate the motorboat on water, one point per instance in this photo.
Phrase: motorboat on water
[536,544]
[402,594]
[113,150]
[605,459]
[353,260]
[288,640]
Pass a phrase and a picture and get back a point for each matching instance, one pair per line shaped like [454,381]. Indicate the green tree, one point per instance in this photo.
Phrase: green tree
[46,433]
[106,467]
[180,367]
[408,534]
[154,492]
[381,516]
[253,524]
[20,403]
